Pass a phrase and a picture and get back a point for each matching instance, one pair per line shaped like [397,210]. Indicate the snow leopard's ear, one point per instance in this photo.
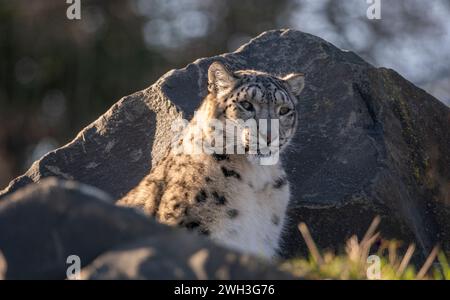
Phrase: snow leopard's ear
[220,79]
[295,82]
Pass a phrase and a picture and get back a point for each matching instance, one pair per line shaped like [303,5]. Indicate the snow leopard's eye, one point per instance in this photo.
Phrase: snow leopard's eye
[247,105]
[284,110]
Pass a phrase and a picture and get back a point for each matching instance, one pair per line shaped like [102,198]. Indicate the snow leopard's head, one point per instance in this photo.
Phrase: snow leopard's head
[262,105]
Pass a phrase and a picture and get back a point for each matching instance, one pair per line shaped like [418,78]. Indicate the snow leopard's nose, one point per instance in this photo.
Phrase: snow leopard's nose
[269,137]
[266,134]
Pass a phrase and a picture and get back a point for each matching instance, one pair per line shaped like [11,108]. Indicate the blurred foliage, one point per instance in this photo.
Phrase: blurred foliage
[58,75]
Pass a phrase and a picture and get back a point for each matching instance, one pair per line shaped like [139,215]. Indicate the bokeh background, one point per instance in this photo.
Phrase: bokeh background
[58,75]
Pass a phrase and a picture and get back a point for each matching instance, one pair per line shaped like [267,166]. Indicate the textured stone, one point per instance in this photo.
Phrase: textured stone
[43,224]
[178,255]
[369,142]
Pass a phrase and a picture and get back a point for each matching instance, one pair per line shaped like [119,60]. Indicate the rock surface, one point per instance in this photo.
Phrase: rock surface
[42,224]
[369,142]
[178,256]
[45,223]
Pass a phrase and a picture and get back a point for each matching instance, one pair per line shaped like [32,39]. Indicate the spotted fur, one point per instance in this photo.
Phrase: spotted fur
[230,197]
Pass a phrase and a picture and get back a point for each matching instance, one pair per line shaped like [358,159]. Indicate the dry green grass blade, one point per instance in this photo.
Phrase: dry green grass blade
[405,261]
[366,245]
[392,253]
[373,226]
[310,243]
[442,258]
[353,249]
[364,249]
[426,266]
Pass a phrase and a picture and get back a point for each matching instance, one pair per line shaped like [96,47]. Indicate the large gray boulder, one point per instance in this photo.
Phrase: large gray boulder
[179,256]
[44,224]
[369,142]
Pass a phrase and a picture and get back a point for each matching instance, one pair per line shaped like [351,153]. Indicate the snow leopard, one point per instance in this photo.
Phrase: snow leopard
[229,196]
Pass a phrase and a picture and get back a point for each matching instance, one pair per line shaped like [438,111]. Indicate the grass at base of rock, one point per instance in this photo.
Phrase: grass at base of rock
[358,262]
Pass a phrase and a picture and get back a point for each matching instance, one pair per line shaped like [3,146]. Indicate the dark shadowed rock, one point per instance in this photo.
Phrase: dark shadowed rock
[43,224]
[178,256]
[369,142]
[115,151]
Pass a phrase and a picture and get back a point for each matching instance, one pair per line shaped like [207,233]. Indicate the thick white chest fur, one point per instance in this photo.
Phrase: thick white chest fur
[262,211]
